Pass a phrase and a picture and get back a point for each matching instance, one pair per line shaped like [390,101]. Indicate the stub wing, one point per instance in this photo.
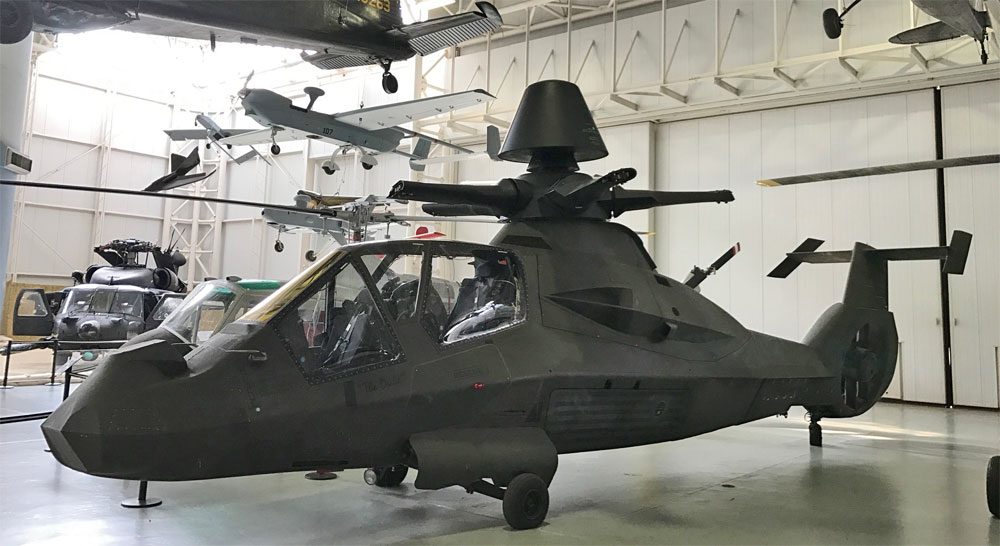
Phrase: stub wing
[390,115]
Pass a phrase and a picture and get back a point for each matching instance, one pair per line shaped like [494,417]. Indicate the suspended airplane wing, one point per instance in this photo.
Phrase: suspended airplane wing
[426,37]
[390,115]
[883,169]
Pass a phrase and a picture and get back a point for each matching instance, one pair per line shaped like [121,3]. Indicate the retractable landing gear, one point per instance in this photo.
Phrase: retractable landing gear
[386,476]
[389,83]
[142,501]
[815,431]
[525,501]
[993,485]
[275,149]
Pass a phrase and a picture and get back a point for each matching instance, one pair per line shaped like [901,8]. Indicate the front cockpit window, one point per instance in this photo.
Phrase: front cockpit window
[488,297]
[338,328]
[103,300]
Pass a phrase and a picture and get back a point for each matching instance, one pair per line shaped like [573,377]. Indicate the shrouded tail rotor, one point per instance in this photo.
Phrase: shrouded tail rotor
[857,337]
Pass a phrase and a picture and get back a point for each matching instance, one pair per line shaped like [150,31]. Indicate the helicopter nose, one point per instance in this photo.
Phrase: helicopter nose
[89,330]
[108,426]
[144,414]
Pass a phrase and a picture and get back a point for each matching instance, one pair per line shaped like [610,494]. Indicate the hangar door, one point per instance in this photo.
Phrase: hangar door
[971,126]
[899,210]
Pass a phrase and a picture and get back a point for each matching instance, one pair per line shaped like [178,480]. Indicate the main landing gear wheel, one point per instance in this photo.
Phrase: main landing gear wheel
[328,170]
[526,501]
[279,246]
[367,166]
[993,485]
[311,255]
[386,476]
[815,432]
[275,149]
[389,83]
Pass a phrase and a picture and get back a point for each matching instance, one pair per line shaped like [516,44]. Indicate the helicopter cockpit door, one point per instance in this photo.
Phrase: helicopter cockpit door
[32,315]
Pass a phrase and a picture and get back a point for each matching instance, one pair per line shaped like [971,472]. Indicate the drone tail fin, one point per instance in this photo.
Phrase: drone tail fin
[420,152]
[857,338]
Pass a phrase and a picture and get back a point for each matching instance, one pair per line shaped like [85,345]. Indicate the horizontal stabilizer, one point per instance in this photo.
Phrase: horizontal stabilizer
[953,256]
[426,37]
[934,32]
[884,169]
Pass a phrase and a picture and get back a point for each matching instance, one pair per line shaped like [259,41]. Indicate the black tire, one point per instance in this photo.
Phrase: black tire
[311,255]
[16,21]
[275,149]
[526,502]
[993,485]
[386,476]
[328,170]
[279,246]
[367,167]
[389,83]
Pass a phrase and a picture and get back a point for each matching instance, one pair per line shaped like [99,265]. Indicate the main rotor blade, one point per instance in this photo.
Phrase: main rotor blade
[120,191]
[884,169]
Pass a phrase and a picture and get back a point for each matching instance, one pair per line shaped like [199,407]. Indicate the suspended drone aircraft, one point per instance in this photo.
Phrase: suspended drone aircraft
[346,219]
[339,33]
[212,132]
[956,18]
[371,130]
[551,346]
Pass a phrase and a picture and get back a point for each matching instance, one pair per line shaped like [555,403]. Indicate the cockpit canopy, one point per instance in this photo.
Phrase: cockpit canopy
[338,316]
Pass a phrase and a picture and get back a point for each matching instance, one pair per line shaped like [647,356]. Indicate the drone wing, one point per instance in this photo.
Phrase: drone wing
[263,136]
[201,134]
[390,115]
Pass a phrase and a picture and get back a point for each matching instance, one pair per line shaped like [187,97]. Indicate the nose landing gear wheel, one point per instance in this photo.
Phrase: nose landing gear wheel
[367,166]
[389,83]
[526,502]
[311,255]
[386,476]
[279,246]
[275,149]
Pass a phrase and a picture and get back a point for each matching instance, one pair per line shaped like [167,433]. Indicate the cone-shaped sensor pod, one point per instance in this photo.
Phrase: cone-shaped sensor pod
[552,127]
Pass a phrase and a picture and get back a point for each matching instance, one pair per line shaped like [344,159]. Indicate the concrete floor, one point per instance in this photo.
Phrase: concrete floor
[900,474]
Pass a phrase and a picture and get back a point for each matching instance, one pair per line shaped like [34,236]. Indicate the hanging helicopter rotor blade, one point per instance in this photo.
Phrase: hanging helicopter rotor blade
[883,169]
[121,191]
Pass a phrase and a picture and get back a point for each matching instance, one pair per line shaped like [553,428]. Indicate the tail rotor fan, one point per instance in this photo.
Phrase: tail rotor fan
[860,369]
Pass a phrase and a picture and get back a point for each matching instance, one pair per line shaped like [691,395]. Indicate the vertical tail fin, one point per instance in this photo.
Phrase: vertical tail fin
[857,337]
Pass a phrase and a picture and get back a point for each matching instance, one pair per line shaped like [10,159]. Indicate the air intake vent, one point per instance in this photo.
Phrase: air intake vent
[526,240]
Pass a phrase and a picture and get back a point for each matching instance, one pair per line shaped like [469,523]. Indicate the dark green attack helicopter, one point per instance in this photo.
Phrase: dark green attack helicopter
[561,337]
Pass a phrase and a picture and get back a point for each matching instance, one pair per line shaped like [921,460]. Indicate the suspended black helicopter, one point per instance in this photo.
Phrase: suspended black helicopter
[340,33]
[563,338]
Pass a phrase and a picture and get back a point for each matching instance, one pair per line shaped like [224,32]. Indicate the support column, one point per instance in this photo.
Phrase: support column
[15,63]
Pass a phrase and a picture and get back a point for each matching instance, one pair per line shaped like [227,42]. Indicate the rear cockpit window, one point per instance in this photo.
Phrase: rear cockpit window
[484,297]
[397,278]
